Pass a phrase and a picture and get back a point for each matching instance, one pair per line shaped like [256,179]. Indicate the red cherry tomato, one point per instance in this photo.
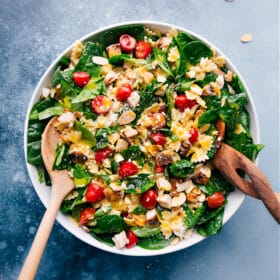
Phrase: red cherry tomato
[149,199]
[127,43]
[123,92]
[81,78]
[101,104]
[215,200]
[94,193]
[193,135]
[132,239]
[142,50]
[127,168]
[86,215]
[159,169]
[101,154]
[158,120]
[182,102]
[158,138]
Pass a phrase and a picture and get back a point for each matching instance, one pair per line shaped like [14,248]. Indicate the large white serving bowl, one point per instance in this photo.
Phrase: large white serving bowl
[235,199]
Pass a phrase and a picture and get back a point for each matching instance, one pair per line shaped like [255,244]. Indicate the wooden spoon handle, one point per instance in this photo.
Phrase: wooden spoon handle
[228,161]
[34,256]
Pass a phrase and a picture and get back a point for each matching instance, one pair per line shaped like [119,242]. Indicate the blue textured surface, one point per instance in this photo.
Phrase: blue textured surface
[33,33]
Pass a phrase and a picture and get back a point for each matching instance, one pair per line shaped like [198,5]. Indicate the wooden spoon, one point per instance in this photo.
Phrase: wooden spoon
[228,161]
[62,184]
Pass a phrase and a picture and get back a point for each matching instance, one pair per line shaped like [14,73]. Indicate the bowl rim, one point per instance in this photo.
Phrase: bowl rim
[44,192]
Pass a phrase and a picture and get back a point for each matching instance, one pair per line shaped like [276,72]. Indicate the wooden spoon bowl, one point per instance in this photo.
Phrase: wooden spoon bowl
[62,184]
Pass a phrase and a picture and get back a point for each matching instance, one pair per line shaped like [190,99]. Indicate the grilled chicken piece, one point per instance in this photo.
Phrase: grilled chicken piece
[164,158]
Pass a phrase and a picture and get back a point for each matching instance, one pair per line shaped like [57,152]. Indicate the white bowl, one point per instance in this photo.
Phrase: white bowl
[235,199]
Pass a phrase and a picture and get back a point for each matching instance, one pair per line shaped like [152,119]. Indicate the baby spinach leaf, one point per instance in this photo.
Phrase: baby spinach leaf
[50,112]
[237,84]
[191,218]
[139,183]
[147,98]
[121,58]
[91,90]
[114,166]
[182,168]
[35,130]
[155,242]
[161,58]
[69,89]
[104,238]
[34,153]
[102,211]
[209,77]
[101,137]
[86,133]
[62,159]
[134,153]
[209,214]
[170,104]
[112,36]
[213,226]
[109,224]
[85,63]
[196,50]
[40,106]
[81,176]
[216,184]
[69,204]
[146,231]
[139,210]
[64,61]
[182,39]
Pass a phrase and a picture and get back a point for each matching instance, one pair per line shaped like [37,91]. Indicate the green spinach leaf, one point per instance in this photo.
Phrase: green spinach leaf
[85,63]
[112,36]
[86,133]
[139,183]
[146,231]
[109,224]
[182,168]
[155,242]
[81,176]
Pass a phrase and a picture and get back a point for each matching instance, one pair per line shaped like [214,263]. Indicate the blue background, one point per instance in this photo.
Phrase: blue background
[33,33]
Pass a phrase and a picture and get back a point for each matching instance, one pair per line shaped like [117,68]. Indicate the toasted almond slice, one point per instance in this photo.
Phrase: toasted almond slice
[246,38]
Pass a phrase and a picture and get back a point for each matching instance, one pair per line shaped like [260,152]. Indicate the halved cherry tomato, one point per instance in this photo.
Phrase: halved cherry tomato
[94,193]
[127,168]
[127,43]
[149,199]
[159,169]
[81,78]
[215,200]
[158,120]
[158,138]
[101,154]
[132,239]
[182,102]
[123,92]
[193,135]
[142,50]
[101,104]
[86,215]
